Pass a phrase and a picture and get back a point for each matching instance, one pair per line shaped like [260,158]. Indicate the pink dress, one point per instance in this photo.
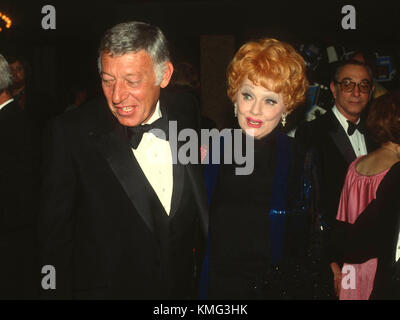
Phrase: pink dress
[358,191]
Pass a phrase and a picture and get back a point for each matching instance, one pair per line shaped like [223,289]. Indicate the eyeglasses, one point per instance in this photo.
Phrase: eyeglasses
[348,85]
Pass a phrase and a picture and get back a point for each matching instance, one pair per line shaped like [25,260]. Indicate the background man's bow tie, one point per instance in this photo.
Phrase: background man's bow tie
[135,134]
[353,127]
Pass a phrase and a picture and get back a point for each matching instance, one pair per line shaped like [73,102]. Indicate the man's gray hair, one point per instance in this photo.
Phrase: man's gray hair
[132,37]
[5,74]
[354,63]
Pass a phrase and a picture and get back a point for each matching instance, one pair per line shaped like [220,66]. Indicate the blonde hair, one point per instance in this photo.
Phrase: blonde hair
[273,64]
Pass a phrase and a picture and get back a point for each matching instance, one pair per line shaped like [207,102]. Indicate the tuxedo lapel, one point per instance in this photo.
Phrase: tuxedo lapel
[11,109]
[195,179]
[177,189]
[178,169]
[127,170]
[340,138]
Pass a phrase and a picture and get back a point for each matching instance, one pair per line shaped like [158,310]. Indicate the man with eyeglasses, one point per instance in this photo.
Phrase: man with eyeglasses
[338,138]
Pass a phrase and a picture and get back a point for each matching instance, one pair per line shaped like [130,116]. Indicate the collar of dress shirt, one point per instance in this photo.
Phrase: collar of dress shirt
[6,103]
[156,115]
[342,119]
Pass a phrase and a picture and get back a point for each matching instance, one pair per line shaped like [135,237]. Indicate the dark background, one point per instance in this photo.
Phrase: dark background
[63,57]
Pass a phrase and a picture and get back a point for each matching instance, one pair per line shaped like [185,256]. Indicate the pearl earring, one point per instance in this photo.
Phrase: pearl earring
[235,109]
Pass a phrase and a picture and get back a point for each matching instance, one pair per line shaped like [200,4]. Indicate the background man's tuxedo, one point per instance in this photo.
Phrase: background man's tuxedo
[335,153]
[19,163]
[102,225]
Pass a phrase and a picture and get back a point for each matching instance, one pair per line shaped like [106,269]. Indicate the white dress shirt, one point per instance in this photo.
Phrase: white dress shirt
[155,159]
[6,103]
[356,139]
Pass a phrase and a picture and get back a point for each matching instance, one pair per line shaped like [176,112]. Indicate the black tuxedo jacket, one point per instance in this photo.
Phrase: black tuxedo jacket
[19,163]
[101,224]
[375,234]
[334,154]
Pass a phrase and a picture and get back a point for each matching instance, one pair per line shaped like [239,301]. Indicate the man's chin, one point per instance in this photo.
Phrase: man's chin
[353,111]
[128,122]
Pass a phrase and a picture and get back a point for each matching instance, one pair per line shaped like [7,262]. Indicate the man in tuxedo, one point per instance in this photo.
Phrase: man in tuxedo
[339,137]
[18,202]
[117,223]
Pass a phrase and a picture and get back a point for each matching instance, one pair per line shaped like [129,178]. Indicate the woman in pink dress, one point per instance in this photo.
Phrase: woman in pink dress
[362,181]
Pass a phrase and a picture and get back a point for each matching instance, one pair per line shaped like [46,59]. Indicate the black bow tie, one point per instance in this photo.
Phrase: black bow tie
[135,134]
[353,127]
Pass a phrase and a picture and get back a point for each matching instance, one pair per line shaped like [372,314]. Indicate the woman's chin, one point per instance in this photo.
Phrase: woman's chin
[250,132]
[256,134]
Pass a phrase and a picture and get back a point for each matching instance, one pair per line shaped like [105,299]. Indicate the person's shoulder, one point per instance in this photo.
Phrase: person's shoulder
[311,132]
[12,108]
[91,114]
[182,101]
[389,185]
[298,150]
[181,106]
[394,171]
[282,136]
[10,117]
[316,124]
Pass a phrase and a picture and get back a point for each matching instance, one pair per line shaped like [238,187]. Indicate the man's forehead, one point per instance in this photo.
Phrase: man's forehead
[130,59]
[142,54]
[354,72]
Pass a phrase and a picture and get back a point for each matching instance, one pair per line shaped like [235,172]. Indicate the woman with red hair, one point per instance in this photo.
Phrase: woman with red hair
[261,223]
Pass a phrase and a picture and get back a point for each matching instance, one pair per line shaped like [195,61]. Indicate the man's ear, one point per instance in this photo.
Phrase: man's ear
[168,71]
[333,89]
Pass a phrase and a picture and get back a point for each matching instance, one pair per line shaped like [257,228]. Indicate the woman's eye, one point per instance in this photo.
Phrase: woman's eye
[270,101]
[246,96]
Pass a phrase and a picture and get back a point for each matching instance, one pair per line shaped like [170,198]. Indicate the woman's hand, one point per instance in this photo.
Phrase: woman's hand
[337,277]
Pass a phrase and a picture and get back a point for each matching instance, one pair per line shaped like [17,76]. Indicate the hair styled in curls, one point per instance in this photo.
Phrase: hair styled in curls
[273,64]
[383,120]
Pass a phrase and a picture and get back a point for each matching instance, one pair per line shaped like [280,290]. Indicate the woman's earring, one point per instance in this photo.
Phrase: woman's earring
[283,121]
[235,109]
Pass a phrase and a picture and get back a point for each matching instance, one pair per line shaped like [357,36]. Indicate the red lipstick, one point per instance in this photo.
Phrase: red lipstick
[253,123]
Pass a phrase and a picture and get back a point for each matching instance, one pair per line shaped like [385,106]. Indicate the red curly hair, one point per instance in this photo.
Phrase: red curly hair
[273,64]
